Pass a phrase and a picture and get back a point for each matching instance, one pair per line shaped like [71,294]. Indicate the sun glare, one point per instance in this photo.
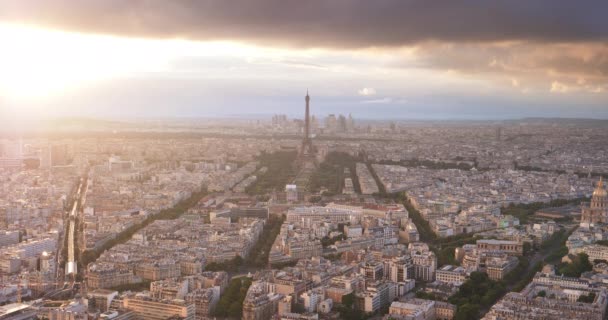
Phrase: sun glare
[37,63]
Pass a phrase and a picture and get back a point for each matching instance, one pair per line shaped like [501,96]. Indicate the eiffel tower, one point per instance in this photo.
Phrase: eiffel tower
[306,162]
[307,148]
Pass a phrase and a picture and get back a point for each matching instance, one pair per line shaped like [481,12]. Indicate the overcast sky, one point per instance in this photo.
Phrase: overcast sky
[423,59]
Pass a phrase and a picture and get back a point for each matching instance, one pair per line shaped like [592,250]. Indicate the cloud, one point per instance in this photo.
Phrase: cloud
[535,42]
[378,101]
[320,23]
[303,64]
[582,66]
[559,87]
[563,58]
[386,100]
[367,92]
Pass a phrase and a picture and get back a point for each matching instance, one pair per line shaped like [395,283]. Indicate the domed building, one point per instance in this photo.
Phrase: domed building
[597,210]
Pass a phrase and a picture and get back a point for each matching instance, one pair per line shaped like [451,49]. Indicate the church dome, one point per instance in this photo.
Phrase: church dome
[599,190]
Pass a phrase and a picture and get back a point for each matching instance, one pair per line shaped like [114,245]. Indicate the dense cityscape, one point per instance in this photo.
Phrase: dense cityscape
[352,220]
[303,160]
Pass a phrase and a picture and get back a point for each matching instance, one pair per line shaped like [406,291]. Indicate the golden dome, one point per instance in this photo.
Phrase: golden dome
[599,190]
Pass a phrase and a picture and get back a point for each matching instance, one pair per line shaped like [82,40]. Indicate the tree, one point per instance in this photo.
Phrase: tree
[280,171]
[602,242]
[231,303]
[584,262]
[330,173]
[579,264]
[230,265]
[327,241]
[315,199]
[587,298]
[348,300]
[259,254]
[446,256]
[426,295]
[467,312]
[235,309]
[477,292]
[527,247]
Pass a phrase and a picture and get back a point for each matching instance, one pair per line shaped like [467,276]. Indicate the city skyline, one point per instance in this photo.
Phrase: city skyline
[303,160]
[410,60]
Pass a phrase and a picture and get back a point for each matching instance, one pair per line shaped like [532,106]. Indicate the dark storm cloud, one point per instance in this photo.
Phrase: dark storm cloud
[328,23]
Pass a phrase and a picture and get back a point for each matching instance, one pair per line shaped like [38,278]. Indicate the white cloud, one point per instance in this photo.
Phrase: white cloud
[579,86]
[597,90]
[367,92]
[378,101]
[559,87]
[386,100]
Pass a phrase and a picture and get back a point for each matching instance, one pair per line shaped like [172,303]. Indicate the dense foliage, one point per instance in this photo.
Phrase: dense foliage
[330,174]
[602,242]
[524,210]
[144,285]
[347,309]
[424,228]
[446,247]
[587,298]
[327,241]
[229,266]
[524,279]
[579,264]
[281,171]
[539,169]
[558,242]
[427,295]
[516,274]
[259,253]
[476,293]
[381,188]
[446,256]
[231,302]
[459,164]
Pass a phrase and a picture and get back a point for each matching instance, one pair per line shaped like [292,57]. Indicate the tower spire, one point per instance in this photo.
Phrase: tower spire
[306,143]
[307,118]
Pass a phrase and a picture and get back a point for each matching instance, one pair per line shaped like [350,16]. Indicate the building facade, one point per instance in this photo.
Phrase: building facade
[596,211]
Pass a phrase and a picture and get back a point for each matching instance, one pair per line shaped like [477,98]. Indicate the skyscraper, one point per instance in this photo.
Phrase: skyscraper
[498,133]
[331,123]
